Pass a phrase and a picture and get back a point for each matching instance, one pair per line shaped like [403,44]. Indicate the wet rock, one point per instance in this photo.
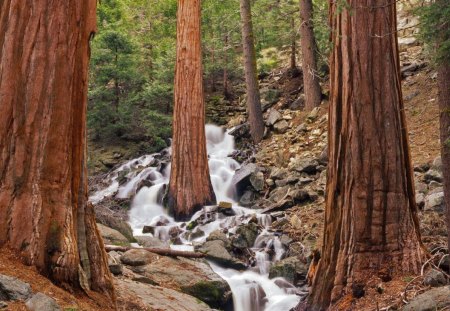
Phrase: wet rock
[137,257]
[292,269]
[226,208]
[143,296]
[193,277]
[111,236]
[434,299]
[257,181]
[151,242]
[241,178]
[248,199]
[148,229]
[12,288]
[219,235]
[281,127]
[435,202]
[433,175]
[434,278]
[216,251]
[41,302]
[196,233]
[273,117]
[245,236]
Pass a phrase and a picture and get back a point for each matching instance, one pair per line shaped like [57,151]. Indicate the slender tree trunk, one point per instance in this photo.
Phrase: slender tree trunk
[293,45]
[313,93]
[371,224]
[251,78]
[44,213]
[190,185]
[226,91]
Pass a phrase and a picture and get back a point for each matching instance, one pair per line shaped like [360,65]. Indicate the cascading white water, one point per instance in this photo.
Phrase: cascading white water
[252,289]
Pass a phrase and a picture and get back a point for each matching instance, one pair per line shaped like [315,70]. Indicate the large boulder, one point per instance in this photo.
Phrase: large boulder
[41,302]
[193,277]
[151,242]
[12,288]
[137,257]
[141,296]
[291,269]
[241,178]
[245,236]
[217,252]
[117,224]
[112,236]
[434,299]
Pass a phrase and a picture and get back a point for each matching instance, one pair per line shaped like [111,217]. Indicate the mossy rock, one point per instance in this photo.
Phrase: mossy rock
[216,294]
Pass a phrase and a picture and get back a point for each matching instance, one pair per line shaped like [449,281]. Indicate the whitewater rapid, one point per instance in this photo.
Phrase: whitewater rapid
[252,289]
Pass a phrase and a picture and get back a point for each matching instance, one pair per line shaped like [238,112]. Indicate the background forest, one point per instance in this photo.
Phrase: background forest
[133,61]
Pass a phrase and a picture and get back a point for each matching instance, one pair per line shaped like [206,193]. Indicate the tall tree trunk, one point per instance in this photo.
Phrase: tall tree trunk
[293,45]
[190,185]
[313,93]
[226,91]
[44,213]
[251,78]
[371,224]
[444,106]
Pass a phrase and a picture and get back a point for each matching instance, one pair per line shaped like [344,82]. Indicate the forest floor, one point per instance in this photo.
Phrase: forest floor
[11,265]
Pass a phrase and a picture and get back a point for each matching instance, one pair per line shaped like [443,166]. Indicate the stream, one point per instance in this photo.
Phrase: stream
[252,289]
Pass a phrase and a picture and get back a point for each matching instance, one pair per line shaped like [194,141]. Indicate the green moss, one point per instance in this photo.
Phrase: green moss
[211,292]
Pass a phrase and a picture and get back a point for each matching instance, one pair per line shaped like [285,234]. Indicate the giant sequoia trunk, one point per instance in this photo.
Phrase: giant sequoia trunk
[190,185]
[44,213]
[255,117]
[371,225]
[313,94]
[444,106]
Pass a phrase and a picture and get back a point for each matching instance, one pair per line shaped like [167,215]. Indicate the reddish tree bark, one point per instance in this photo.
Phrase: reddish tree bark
[444,107]
[44,213]
[313,93]
[254,109]
[371,224]
[190,185]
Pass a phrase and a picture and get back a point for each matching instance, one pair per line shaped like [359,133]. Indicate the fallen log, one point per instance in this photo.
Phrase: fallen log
[159,251]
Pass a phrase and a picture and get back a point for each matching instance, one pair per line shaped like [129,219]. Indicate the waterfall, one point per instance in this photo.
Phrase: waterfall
[252,289]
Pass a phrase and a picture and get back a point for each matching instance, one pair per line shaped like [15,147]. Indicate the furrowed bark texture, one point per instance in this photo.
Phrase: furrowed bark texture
[444,106]
[255,117]
[371,225]
[44,213]
[313,93]
[190,185]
